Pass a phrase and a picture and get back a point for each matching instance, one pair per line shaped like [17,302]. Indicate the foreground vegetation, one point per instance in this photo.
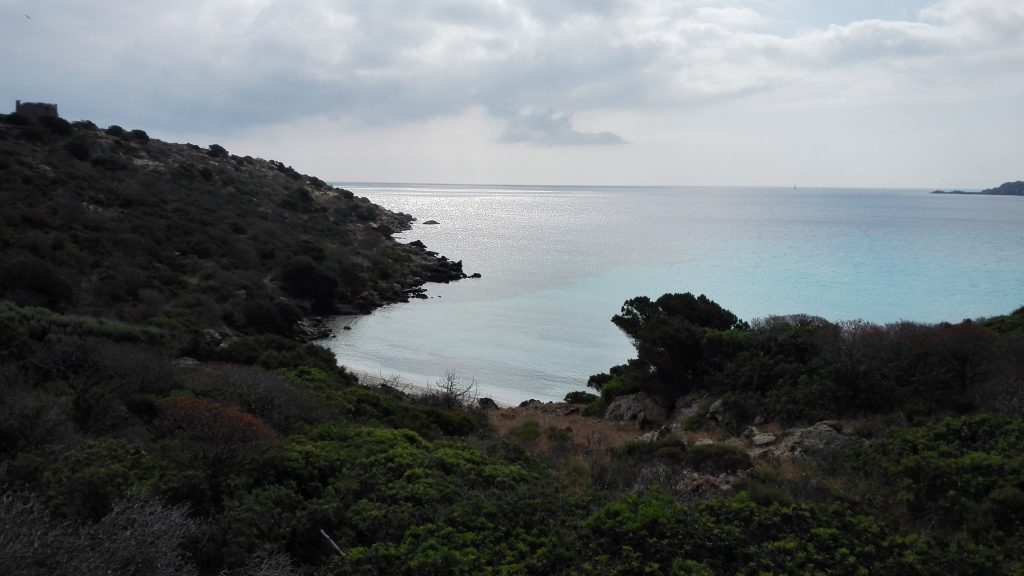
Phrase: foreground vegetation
[803,368]
[115,456]
[132,444]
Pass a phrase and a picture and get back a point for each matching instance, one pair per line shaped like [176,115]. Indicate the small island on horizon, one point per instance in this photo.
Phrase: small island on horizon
[1005,189]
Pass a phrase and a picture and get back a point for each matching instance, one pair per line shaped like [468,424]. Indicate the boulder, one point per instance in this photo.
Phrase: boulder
[431,222]
[639,408]
[822,439]
[763,439]
[185,362]
[685,407]
[655,435]
[487,404]
[719,413]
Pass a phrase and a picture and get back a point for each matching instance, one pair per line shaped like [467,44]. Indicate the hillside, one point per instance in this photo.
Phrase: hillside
[161,416]
[116,224]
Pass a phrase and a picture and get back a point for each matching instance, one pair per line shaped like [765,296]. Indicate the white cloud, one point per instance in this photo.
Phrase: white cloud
[217,66]
[552,129]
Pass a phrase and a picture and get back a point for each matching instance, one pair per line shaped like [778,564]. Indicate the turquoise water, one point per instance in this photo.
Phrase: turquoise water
[558,262]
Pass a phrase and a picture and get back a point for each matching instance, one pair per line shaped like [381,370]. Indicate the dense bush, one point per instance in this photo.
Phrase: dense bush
[580,397]
[654,534]
[803,369]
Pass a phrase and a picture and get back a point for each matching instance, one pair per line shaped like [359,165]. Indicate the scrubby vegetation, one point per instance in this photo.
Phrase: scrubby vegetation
[158,415]
[115,224]
[221,468]
[801,369]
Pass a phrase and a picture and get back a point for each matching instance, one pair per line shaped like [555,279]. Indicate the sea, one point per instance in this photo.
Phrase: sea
[557,262]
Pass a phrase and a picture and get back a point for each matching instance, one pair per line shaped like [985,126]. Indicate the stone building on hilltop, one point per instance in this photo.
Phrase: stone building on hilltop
[35,109]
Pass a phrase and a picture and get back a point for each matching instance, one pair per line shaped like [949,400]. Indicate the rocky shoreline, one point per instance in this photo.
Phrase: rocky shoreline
[420,266]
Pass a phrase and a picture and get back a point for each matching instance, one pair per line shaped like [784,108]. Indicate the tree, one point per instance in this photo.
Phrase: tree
[454,391]
[669,336]
[965,350]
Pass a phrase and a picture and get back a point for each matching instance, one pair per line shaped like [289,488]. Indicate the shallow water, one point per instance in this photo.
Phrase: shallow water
[558,262]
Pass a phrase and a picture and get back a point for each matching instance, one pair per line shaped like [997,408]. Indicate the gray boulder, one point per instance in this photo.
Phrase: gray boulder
[685,407]
[655,435]
[639,408]
[185,362]
[718,412]
[822,439]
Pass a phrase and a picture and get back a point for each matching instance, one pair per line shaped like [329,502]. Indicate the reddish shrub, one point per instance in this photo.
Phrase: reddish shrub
[208,423]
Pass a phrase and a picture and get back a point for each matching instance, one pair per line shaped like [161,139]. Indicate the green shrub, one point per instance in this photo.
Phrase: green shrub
[670,449]
[580,397]
[611,390]
[528,432]
[718,459]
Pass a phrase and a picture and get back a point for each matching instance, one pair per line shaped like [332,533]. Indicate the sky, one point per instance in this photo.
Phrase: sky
[860,93]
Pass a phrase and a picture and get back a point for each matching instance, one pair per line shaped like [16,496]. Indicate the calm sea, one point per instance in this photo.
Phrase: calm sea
[557,262]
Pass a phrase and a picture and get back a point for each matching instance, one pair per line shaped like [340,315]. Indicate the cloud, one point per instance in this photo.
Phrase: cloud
[552,129]
[195,65]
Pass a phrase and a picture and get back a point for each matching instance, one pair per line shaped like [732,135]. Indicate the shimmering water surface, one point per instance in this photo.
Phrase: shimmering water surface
[558,262]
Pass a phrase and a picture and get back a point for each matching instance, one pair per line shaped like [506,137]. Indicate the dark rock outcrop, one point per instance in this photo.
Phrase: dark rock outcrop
[487,404]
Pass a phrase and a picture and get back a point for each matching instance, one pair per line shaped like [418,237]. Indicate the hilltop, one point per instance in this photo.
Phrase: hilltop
[113,223]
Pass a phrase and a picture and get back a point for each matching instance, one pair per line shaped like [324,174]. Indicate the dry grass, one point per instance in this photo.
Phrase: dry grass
[588,435]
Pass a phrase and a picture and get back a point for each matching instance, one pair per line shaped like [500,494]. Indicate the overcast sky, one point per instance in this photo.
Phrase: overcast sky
[882,93]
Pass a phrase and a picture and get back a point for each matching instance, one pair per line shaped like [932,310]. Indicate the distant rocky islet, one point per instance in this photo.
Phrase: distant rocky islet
[1005,189]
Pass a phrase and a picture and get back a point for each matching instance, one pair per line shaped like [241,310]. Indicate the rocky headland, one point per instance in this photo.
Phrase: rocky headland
[113,223]
[1005,189]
